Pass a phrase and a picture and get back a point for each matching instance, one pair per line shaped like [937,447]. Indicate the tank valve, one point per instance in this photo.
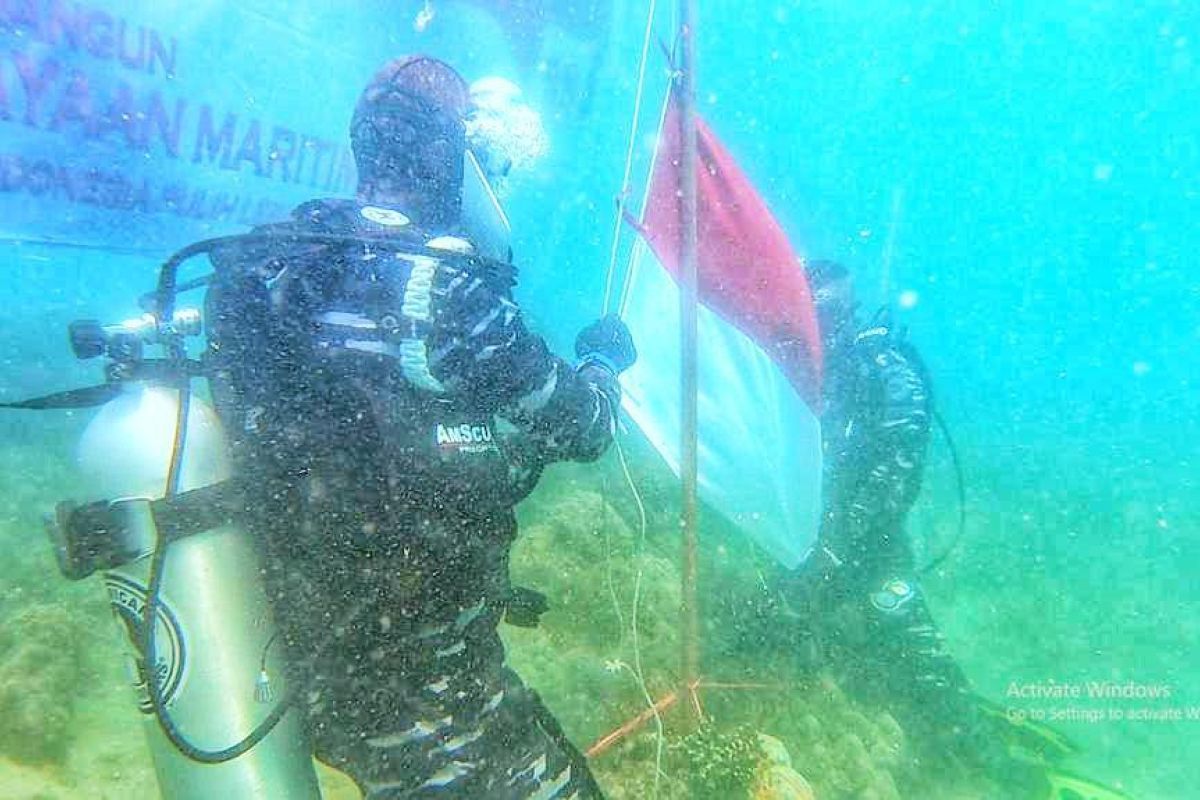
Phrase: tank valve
[124,341]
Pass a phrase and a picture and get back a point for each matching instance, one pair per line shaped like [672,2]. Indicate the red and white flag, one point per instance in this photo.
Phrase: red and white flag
[759,348]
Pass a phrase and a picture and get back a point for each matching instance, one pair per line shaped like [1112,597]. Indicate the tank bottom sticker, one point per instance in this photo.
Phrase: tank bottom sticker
[128,599]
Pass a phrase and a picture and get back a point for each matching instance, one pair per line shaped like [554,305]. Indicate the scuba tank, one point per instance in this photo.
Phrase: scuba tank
[162,527]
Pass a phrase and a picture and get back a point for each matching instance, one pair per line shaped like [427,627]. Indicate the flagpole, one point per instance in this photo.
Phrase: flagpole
[689,383]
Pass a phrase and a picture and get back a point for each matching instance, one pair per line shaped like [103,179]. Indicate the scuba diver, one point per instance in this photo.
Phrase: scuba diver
[389,408]
[863,610]
[867,615]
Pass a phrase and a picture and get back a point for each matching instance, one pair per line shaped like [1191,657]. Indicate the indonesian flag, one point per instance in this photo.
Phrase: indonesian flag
[759,348]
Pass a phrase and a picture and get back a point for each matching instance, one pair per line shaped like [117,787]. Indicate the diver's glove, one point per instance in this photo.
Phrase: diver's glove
[606,343]
[524,607]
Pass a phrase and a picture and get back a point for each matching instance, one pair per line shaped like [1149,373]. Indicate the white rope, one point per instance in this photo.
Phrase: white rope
[660,738]
[608,570]
[639,246]
[633,131]
[635,260]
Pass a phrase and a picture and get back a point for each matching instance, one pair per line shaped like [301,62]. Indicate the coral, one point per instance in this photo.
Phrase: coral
[721,764]
[583,549]
[586,559]
[775,779]
[22,782]
[842,750]
[40,674]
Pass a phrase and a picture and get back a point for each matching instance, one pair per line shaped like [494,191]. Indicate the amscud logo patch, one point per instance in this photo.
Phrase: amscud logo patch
[128,600]
[465,438]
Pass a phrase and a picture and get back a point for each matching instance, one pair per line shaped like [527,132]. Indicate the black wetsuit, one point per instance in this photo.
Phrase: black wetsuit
[875,434]
[871,619]
[388,409]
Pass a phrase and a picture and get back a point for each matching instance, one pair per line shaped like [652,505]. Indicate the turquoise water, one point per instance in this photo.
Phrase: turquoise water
[1017,180]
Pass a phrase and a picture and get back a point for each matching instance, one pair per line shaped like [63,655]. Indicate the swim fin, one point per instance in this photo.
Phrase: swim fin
[1065,786]
[1038,740]
[1047,747]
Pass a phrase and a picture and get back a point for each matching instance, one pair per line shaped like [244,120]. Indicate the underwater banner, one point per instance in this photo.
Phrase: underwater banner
[141,126]
[122,119]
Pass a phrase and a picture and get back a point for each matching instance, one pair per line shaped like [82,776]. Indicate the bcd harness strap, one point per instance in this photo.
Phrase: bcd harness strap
[108,533]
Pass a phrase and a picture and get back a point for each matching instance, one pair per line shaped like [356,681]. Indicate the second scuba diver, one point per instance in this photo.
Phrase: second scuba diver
[861,608]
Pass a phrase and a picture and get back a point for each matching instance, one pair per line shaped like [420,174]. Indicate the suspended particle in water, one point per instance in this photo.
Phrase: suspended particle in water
[908,299]
[424,17]
[1102,172]
[1141,368]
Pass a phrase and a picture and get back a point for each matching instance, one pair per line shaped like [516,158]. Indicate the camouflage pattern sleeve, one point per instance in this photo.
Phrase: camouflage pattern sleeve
[564,412]
[896,429]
